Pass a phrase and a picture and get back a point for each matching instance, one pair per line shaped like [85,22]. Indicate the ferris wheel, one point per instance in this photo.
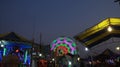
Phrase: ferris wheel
[63,45]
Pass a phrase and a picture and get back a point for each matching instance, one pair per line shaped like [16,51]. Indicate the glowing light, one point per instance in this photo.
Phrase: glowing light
[78,58]
[3,41]
[66,42]
[69,63]
[86,49]
[53,59]
[90,62]
[17,50]
[40,54]
[109,28]
[2,45]
[117,48]
[25,60]
[4,52]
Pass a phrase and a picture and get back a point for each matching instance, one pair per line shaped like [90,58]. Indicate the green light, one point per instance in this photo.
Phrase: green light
[4,52]
[25,59]
[61,39]
[53,42]
[68,39]
[74,45]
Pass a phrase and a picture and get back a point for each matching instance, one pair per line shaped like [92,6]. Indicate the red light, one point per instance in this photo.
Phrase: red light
[17,50]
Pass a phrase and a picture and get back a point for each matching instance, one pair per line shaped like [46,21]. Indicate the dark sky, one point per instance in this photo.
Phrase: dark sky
[53,18]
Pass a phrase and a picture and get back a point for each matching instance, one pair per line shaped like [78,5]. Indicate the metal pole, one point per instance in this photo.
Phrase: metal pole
[32,52]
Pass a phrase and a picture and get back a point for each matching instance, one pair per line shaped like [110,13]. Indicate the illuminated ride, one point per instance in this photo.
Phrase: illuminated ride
[16,49]
[64,50]
[62,46]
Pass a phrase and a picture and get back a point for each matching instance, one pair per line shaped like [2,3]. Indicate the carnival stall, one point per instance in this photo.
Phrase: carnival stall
[13,45]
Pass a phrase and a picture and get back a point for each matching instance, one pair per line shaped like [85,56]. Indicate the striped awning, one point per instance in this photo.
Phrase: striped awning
[99,33]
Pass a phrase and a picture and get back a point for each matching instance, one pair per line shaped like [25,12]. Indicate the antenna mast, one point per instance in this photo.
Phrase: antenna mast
[40,41]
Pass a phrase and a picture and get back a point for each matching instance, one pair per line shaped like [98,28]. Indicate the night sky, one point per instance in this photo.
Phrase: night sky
[53,18]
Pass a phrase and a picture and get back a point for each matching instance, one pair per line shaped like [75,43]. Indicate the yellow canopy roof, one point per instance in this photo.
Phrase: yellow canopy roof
[98,33]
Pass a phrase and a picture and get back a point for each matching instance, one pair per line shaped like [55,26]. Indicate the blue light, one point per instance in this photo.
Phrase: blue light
[0,56]
[8,48]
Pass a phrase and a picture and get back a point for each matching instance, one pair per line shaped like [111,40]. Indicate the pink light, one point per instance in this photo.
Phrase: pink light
[69,44]
[59,42]
[53,46]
